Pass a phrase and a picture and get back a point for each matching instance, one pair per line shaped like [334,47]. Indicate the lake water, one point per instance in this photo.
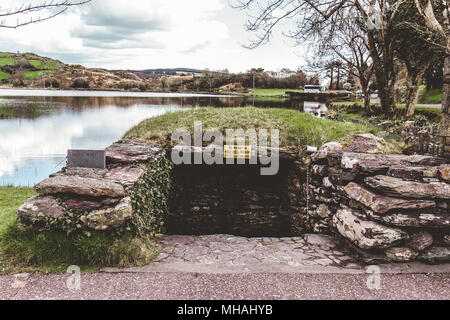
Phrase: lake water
[37,127]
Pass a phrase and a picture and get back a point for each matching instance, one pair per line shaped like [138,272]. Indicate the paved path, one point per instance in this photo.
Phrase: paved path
[226,250]
[171,286]
[433,106]
[229,267]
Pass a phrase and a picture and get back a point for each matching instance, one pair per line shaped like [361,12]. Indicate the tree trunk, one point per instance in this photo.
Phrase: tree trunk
[413,78]
[445,126]
[366,99]
[331,81]
[338,86]
[411,99]
[385,89]
[387,98]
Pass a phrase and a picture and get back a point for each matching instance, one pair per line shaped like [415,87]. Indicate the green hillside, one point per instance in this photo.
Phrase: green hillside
[26,66]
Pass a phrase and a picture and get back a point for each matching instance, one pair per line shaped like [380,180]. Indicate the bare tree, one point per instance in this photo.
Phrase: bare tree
[347,43]
[436,18]
[314,16]
[29,12]
[415,51]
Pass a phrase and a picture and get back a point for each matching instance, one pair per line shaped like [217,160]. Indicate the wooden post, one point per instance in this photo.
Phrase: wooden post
[445,125]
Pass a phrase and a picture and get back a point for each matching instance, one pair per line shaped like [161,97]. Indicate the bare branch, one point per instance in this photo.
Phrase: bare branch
[24,11]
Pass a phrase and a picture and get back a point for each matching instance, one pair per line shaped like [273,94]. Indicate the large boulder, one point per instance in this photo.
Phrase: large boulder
[367,143]
[416,220]
[82,172]
[401,254]
[381,204]
[126,175]
[40,208]
[444,173]
[373,163]
[82,205]
[132,151]
[80,186]
[419,241]
[109,218]
[409,189]
[366,234]
[330,149]
[436,255]
[413,173]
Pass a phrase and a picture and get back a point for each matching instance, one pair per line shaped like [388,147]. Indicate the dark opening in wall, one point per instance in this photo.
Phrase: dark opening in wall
[231,199]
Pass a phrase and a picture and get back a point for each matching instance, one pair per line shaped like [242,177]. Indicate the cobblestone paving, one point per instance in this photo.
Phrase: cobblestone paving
[309,250]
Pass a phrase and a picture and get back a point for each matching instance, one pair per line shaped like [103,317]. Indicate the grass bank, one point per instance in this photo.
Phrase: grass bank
[296,129]
[355,111]
[23,249]
[271,92]
[26,110]
[433,96]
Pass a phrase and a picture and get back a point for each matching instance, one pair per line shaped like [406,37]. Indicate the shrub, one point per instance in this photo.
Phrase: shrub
[400,94]
[18,80]
[80,83]
[51,82]
[23,63]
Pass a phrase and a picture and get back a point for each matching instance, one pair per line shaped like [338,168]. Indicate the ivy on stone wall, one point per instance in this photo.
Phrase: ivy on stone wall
[149,198]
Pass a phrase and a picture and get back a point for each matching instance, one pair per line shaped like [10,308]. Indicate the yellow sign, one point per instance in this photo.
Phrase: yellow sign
[237,152]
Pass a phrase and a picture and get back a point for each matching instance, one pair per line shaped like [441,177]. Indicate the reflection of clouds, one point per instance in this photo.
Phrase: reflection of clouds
[315,107]
[80,93]
[21,140]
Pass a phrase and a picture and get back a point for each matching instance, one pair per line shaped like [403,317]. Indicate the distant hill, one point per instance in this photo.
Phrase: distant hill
[151,73]
[34,71]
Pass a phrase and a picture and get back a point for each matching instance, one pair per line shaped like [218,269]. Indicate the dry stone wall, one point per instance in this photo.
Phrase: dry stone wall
[92,199]
[386,207]
[390,207]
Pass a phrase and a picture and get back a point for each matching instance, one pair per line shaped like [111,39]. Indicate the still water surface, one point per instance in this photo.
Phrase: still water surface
[38,126]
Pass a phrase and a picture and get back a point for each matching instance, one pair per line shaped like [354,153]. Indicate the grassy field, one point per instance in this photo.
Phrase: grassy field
[4,75]
[271,92]
[433,114]
[48,65]
[6,61]
[24,250]
[296,129]
[433,96]
[30,75]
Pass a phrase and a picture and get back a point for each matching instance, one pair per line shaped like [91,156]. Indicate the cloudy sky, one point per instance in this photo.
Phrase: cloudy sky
[140,34]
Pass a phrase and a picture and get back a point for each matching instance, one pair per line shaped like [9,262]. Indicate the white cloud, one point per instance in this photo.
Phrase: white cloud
[141,34]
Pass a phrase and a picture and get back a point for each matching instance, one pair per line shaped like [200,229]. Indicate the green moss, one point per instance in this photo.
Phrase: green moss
[149,198]
[296,129]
